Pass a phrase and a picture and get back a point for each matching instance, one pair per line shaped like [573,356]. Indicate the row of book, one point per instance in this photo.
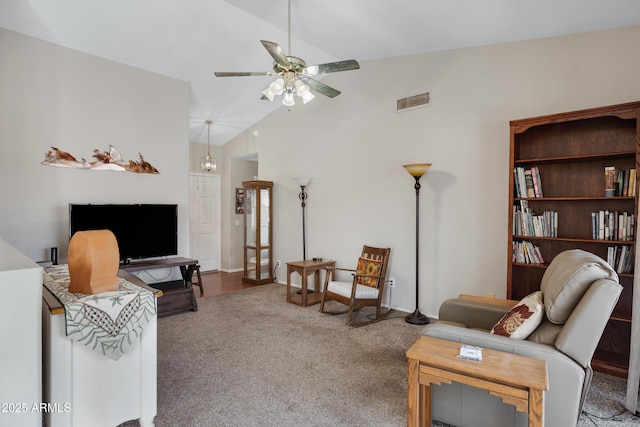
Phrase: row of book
[614,225]
[527,182]
[620,258]
[527,223]
[619,182]
[525,252]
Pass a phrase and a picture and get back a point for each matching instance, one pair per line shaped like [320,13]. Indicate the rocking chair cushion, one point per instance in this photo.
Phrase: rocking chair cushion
[368,267]
[344,289]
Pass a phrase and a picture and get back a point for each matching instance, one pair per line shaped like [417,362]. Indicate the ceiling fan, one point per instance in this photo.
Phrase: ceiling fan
[294,76]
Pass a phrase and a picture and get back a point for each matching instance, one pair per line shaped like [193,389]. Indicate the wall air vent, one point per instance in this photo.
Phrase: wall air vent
[414,101]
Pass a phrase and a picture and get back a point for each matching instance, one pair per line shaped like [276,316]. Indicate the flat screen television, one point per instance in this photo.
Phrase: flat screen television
[142,230]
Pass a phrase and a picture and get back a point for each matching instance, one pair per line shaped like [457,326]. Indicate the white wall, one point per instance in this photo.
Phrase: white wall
[354,147]
[54,96]
[241,171]
[235,171]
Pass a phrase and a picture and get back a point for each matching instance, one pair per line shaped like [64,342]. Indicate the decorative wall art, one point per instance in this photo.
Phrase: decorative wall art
[240,200]
[108,160]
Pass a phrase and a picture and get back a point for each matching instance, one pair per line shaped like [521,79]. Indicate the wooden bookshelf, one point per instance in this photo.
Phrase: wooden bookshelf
[571,151]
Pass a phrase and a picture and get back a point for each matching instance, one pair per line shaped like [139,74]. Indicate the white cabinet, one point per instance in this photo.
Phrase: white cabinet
[86,388]
[20,358]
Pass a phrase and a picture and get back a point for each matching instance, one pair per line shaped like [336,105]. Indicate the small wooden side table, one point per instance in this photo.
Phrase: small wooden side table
[304,269]
[517,380]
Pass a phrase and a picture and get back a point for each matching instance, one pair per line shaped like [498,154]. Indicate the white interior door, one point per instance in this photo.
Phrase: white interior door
[204,220]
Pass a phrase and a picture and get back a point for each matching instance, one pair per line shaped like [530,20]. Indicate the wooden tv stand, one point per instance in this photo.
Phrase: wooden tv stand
[177,295]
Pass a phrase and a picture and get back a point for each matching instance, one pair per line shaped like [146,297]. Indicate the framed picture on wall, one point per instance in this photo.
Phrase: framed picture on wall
[240,200]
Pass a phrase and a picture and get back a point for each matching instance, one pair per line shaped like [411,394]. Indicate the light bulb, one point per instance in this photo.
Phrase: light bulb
[277,86]
[288,99]
[269,93]
[301,88]
[307,97]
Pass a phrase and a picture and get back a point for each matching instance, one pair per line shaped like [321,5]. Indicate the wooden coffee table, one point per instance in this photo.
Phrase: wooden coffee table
[517,380]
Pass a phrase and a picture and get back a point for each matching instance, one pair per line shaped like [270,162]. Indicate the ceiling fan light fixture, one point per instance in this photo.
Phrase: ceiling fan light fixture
[307,97]
[301,88]
[303,91]
[288,99]
[269,93]
[277,86]
[291,69]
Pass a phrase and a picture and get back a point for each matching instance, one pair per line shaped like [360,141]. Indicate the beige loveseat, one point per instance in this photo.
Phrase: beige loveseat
[580,291]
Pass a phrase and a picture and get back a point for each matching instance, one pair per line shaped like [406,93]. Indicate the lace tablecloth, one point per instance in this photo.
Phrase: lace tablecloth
[109,322]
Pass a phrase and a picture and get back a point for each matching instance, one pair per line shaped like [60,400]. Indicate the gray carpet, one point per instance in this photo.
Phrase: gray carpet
[250,359]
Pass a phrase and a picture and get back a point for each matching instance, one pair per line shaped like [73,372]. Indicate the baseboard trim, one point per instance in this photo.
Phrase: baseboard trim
[230,270]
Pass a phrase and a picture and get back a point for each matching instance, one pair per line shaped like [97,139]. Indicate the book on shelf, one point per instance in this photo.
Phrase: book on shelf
[619,182]
[528,223]
[620,258]
[614,225]
[528,179]
[625,182]
[527,182]
[519,182]
[537,182]
[525,252]
[610,184]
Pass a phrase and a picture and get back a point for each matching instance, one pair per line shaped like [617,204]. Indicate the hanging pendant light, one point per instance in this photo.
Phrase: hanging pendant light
[208,163]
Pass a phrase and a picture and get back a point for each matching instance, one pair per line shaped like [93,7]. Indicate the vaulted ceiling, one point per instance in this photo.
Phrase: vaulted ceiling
[191,39]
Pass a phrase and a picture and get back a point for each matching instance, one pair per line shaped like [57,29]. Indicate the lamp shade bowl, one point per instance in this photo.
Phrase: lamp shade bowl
[417,169]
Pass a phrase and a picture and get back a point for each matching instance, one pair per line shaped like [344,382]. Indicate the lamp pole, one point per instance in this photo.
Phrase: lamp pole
[303,182]
[303,196]
[417,170]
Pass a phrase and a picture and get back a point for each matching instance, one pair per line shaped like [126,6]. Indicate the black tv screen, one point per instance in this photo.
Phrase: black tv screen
[142,230]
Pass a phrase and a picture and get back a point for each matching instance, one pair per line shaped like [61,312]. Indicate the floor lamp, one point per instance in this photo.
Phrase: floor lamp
[303,182]
[417,170]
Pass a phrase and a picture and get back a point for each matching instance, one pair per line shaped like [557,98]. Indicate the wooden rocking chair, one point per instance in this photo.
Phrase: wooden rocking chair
[365,289]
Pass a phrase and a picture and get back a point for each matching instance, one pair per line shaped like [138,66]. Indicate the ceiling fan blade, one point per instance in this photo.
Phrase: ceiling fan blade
[243,74]
[277,53]
[321,87]
[331,67]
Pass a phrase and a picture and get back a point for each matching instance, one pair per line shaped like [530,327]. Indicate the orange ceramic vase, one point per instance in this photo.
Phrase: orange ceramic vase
[94,261]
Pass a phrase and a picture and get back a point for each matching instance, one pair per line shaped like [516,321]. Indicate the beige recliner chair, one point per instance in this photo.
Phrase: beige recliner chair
[580,291]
